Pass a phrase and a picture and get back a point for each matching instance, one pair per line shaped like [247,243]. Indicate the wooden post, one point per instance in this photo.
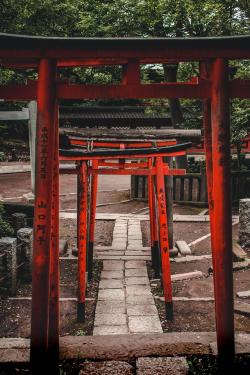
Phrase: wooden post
[32,140]
[222,222]
[82,240]
[169,199]
[43,214]
[93,202]
[151,213]
[163,234]
[53,338]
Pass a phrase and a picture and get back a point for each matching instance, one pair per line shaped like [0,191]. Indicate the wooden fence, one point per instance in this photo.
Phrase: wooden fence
[192,187]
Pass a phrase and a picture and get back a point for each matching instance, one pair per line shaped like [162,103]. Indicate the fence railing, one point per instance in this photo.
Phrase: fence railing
[192,187]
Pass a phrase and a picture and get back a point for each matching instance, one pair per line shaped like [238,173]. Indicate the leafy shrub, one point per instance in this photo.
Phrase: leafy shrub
[5,227]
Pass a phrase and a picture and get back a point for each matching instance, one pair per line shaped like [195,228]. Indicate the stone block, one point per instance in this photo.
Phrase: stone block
[144,324]
[244,294]
[8,247]
[186,276]
[25,240]
[183,248]
[110,330]
[111,294]
[111,284]
[107,319]
[162,366]
[244,222]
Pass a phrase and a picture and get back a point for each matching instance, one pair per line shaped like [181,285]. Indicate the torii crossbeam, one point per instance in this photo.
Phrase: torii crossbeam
[213,87]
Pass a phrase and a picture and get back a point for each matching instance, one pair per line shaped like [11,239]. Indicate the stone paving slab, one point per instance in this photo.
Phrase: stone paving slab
[113,319]
[162,366]
[141,310]
[134,272]
[111,294]
[144,324]
[111,265]
[110,330]
[140,300]
[119,244]
[137,280]
[105,307]
[112,274]
[135,264]
[138,290]
[111,284]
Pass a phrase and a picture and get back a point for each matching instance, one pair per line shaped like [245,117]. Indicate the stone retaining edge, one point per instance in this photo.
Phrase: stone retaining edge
[124,347]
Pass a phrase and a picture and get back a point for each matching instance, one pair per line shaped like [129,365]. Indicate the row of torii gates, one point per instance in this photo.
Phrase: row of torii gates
[213,87]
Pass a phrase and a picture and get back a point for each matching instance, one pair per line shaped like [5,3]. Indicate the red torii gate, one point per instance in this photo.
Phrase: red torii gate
[213,87]
[155,169]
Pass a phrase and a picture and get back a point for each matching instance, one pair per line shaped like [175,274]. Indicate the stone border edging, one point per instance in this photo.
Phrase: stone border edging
[125,347]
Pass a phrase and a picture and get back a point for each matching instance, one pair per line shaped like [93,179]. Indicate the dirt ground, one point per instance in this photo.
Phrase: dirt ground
[103,231]
[15,313]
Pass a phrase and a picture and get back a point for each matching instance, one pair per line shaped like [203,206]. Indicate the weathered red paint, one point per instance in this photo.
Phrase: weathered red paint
[152,213]
[134,156]
[221,199]
[163,236]
[82,240]
[93,202]
[136,171]
[201,90]
[43,214]
[53,330]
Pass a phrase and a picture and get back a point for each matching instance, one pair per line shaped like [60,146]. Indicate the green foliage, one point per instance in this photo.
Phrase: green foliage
[129,18]
[5,228]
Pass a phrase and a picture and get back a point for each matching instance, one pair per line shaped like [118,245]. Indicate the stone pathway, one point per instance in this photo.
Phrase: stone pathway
[125,302]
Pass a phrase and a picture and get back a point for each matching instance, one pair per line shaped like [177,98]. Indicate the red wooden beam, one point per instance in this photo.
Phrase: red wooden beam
[130,91]
[42,215]
[200,90]
[222,212]
[136,171]
[132,156]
